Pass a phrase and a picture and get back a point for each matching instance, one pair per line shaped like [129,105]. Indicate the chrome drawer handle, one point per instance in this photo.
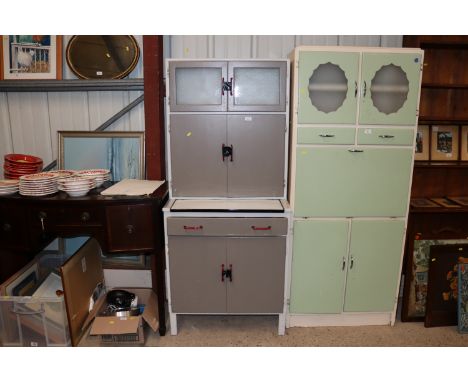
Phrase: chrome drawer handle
[355,151]
[193,228]
[85,216]
[130,229]
[386,136]
[326,135]
[352,263]
[255,228]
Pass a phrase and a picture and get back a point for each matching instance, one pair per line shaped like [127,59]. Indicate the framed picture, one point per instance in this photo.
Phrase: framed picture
[120,152]
[463,296]
[442,288]
[31,57]
[464,143]
[444,143]
[23,282]
[124,261]
[416,278]
[421,149]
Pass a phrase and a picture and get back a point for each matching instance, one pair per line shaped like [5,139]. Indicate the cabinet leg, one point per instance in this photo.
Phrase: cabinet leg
[281,324]
[157,268]
[173,323]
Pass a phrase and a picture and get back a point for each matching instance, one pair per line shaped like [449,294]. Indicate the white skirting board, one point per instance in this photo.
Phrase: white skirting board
[344,319]
[129,278]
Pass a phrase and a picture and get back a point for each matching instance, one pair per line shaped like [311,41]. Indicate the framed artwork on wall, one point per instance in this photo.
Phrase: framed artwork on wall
[442,288]
[444,143]
[31,57]
[120,152]
[421,149]
[464,143]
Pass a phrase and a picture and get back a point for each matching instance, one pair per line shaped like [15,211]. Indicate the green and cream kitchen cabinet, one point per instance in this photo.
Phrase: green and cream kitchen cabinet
[354,117]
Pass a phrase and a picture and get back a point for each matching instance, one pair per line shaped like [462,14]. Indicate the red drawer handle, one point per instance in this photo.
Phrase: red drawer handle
[255,228]
[193,228]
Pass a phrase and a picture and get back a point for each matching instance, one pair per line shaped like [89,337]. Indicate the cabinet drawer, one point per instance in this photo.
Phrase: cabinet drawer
[399,137]
[227,226]
[325,135]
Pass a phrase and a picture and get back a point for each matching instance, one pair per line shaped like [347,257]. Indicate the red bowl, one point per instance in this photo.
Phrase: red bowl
[23,159]
[21,168]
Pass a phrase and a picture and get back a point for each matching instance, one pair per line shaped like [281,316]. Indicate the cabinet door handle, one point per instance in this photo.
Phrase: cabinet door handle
[385,136]
[355,89]
[255,228]
[193,228]
[355,151]
[232,85]
[222,86]
[85,216]
[6,227]
[352,263]
[364,92]
[42,216]
[344,264]
[227,151]
[226,273]
[326,135]
[130,229]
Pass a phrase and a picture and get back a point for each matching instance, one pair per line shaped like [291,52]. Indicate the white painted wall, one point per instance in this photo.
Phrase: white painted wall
[29,121]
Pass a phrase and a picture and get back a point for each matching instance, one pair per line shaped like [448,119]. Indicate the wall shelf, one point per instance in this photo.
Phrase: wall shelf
[135,84]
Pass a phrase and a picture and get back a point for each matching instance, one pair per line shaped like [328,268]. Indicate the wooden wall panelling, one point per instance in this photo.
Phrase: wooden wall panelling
[30,125]
[438,181]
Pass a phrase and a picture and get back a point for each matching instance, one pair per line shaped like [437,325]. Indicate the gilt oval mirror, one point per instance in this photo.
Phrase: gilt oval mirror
[102,57]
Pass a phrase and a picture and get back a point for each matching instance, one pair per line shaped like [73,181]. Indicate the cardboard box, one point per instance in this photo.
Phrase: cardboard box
[83,277]
[125,331]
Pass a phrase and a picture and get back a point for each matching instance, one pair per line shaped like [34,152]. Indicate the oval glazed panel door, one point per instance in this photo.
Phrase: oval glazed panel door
[102,57]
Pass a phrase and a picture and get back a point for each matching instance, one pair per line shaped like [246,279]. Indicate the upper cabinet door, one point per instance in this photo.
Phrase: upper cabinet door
[257,86]
[390,88]
[328,87]
[197,85]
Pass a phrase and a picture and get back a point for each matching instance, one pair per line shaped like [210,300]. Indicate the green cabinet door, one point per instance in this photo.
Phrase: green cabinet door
[340,182]
[327,87]
[374,265]
[389,88]
[318,266]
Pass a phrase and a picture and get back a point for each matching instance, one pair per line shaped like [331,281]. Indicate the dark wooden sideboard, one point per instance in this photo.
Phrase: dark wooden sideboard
[121,224]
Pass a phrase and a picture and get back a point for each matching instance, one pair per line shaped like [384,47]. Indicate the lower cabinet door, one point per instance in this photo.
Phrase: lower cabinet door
[319,266]
[258,266]
[373,267]
[195,265]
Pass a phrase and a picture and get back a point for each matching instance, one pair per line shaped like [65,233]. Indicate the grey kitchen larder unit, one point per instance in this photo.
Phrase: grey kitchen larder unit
[227,222]
[227,128]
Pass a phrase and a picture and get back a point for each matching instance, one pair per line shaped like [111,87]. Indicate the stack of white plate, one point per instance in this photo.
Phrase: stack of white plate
[62,173]
[76,185]
[101,175]
[8,186]
[38,184]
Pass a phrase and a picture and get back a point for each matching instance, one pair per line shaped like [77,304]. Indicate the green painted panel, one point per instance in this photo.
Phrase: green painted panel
[385,136]
[410,63]
[317,284]
[326,135]
[328,90]
[334,182]
[372,280]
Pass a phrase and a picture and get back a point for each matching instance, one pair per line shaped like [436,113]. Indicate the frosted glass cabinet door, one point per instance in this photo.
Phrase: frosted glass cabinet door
[327,87]
[319,266]
[359,181]
[257,86]
[373,267]
[390,88]
[197,85]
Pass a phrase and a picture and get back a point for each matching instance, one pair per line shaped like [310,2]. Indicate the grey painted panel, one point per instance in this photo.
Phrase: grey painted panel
[195,274]
[232,46]
[257,168]
[189,47]
[273,46]
[257,275]
[359,40]
[227,226]
[197,165]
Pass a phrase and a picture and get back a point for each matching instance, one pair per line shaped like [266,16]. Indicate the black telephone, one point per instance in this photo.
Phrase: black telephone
[120,298]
